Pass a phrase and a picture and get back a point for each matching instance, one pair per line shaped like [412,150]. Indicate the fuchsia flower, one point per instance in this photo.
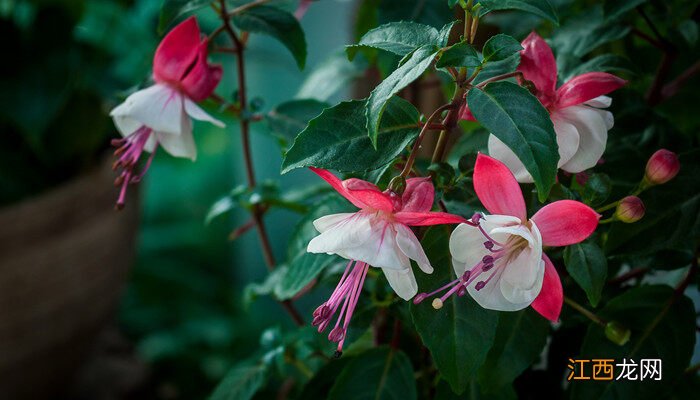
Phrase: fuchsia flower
[160,114]
[377,235]
[662,166]
[576,109]
[499,257]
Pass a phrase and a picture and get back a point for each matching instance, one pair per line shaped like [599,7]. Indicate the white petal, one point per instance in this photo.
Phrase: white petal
[491,297]
[499,151]
[567,139]
[402,281]
[467,242]
[522,278]
[194,111]
[599,102]
[347,233]
[380,248]
[410,246]
[518,230]
[327,221]
[178,145]
[158,107]
[593,135]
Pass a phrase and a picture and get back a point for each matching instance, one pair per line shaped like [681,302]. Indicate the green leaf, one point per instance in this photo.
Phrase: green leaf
[337,138]
[304,267]
[500,47]
[586,263]
[241,383]
[541,8]
[473,392]
[596,190]
[601,63]
[171,9]
[329,77]
[452,3]
[378,374]
[495,68]
[519,120]
[400,38]
[444,35]
[277,23]
[411,70]
[459,55]
[672,216]
[460,334]
[616,8]
[583,34]
[661,329]
[520,337]
[288,119]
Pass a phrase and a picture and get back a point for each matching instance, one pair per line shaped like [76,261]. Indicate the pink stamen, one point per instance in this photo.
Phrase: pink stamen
[345,296]
[129,151]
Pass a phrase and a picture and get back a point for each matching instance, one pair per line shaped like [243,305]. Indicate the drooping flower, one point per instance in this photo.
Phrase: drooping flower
[499,258]
[160,115]
[576,109]
[378,235]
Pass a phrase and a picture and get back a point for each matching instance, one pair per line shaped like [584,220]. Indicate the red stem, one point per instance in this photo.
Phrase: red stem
[247,156]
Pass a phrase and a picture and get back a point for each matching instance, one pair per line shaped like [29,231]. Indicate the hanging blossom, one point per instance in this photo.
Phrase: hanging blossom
[160,114]
[378,235]
[498,257]
[576,109]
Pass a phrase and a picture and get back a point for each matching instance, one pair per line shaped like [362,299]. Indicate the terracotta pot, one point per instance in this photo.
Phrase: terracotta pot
[64,257]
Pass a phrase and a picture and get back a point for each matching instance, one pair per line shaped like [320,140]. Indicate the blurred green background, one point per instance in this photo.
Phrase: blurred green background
[183,308]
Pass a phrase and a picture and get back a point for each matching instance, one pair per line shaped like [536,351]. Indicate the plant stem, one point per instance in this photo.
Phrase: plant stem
[583,311]
[247,154]
[635,273]
[449,122]
[608,207]
[247,6]
[414,151]
[500,78]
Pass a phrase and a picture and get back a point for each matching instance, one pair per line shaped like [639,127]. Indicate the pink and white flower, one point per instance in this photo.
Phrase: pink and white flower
[498,257]
[160,115]
[378,235]
[577,110]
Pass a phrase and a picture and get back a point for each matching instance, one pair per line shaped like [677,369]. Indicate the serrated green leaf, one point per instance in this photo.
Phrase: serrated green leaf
[171,9]
[459,55]
[378,374]
[400,38]
[586,263]
[460,334]
[288,119]
[540,8]
[444,35]
[500,47]
[411,70]
[277,23]
[659,330]
[337,138]
[520,337]
[519,120]
[596,190]
[241,383]
[495,68]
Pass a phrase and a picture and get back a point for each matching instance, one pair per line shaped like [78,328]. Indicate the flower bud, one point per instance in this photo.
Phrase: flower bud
[630,209]
[661,167]
[617,333]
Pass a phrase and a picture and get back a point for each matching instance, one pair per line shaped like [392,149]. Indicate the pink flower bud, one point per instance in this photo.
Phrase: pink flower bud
[630,209]
[661,167]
